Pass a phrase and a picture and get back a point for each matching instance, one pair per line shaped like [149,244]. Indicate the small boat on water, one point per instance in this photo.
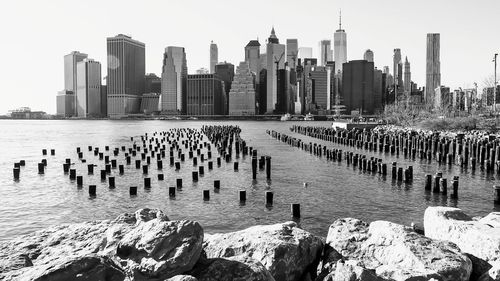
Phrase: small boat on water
[309,117]
[286,117]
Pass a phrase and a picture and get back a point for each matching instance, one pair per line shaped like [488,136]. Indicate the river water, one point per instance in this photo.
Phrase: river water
[333,190]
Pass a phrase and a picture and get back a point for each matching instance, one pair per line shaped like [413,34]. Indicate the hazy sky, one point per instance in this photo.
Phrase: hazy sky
[37,34]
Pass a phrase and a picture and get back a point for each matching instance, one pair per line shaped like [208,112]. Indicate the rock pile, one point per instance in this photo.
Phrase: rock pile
[147,245]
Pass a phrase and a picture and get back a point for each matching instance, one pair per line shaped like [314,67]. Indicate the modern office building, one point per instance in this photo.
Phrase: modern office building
[282,91]
[104,100]
[276,58]
[252,56]
[125,79]
[397,68]
[70,72]
[325,52]
[152,83]
[261,103]
[242,94]
[65,104]
[225,72]
[214,56]
[88,93]
[292,52]
[433,67]
[205,95]
[305,52]
[368,55]
[357,87]
[203,71]
[150,103]
[173,81]
[322,91]
[443,98]
[407,76]
[340,47]
[378,90]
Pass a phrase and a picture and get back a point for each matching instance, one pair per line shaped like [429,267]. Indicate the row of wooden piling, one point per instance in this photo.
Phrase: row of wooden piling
[467,151]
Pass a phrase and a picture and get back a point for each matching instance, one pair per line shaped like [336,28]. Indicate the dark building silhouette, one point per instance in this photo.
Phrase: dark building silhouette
[282,103]
[152,83]
[262,92]
[225,72]
[357,86]
[205,95]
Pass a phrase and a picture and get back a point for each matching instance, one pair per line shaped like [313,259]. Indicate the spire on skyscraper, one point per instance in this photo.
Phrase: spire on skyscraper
[340,22]
[272,38]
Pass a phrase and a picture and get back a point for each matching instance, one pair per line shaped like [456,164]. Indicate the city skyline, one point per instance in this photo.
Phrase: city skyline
[466,52]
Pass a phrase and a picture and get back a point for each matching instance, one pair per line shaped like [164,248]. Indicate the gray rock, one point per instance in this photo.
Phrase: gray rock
[287,251]
[479,239]
[395,252]
[237,268]
[161,249]
[182,278]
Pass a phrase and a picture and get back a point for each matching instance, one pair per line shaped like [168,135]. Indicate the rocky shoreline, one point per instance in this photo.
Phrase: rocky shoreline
[147,245]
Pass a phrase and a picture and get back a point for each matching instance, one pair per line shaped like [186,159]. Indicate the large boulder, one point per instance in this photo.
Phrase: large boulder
[161,249]
[143,244]
[478,238]
[238,268]
[394,252]
[287,251]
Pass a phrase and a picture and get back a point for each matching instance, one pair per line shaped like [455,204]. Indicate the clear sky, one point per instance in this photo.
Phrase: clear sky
[37,34]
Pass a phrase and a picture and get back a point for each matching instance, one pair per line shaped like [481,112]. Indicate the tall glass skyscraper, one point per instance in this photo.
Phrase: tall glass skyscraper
[214,56]
[89,88]
[70,73]
[173,81]
[325,51]
[433,67]
[292,52]
[276,58]
[126,70]
[340,47]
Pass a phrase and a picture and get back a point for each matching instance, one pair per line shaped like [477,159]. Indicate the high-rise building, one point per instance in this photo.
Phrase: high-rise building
[225,72]
[305,53]
[325,51]
[104,100]
[323,86]
[214,56]
[150,103]
[407,77]
[203,71]
[378,90]
[242,94]
[65,104]
[88,100]
[357,86]
[433,67]
[252,56]
[70,73]
[340,47]
[204,95]
[292,52]
[173,81]
[276,58]
[368,55]
[397,67]
[126,70]
[443,98]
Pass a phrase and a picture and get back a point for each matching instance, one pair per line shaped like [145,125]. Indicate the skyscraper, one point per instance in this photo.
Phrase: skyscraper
[89,88]
[325,51]
[242,94]
[173,81]
[433,67]
[407,77]
[252,56]
[70,73]
[340,47]
[368,55]
[225,72]
[357,86]
[126,70]
[276,58]
[214,56]
[204,95]
[397,69]
[292,52]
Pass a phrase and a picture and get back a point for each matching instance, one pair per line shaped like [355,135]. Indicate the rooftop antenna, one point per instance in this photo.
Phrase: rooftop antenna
[340,19]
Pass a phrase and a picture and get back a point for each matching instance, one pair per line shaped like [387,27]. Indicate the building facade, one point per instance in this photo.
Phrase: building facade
[433,67]
[340,47]
[205,95]
[252,56]
[292,52]
[368,55]
[214,56]
[407,76]
[325,51]
[397,69]
[242,93]
[150,103]
[276,58]
[70,72]
[65,104]
[173,81]
[225,72]
[357,87]
[88,94]
[152,83]
[125,79]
